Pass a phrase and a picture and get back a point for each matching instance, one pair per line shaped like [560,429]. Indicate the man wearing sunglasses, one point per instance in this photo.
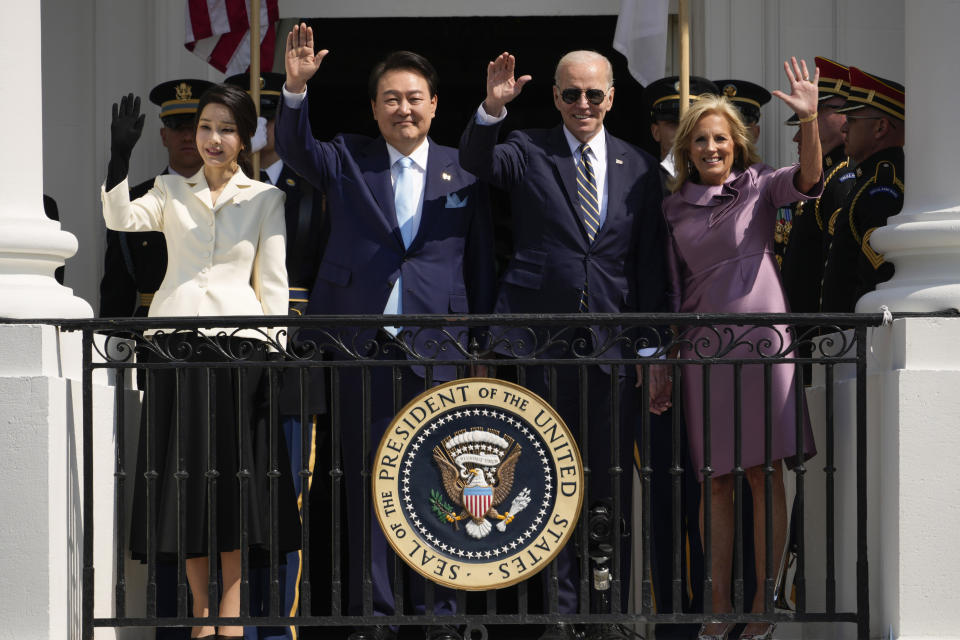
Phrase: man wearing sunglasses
[588,236]
[873,140]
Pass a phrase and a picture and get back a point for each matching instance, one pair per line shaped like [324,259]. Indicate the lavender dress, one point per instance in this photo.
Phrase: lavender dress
[720,259]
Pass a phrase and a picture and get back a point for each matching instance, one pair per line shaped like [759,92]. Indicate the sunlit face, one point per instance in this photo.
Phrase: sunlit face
[582,118]
[861,131]
[664,132]
[217,137]
[404,109]
[181,148]
[830,124]
[712,149]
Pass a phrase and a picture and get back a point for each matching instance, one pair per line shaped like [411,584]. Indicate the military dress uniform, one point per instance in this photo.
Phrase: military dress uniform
[806,241]
[746,96]
[853,267]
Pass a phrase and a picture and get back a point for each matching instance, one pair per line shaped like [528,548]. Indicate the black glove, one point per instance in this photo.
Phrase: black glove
[125,129]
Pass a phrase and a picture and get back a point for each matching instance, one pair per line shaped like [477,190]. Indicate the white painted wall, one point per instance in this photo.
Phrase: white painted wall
[750,39]
[41,497]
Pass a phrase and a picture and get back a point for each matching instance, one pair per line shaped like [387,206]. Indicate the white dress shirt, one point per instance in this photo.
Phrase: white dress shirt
[273,171]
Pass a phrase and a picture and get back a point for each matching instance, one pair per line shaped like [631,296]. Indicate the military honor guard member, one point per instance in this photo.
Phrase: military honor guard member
[134,263]
[588,236]
[410,233]
[307,231]
[662,98]
[874,131]
[813,220]
[747,97]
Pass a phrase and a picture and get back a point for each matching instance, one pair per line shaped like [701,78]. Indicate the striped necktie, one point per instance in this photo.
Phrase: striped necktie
[587,193]
[589,206]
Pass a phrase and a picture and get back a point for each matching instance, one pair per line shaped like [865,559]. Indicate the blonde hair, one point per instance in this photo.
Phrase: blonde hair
[745,153]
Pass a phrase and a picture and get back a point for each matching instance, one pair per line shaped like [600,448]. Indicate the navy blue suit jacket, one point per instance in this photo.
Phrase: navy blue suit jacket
[624,267]
[448,267]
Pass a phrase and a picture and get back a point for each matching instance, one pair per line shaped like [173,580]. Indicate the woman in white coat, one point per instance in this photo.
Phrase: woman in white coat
[202,428]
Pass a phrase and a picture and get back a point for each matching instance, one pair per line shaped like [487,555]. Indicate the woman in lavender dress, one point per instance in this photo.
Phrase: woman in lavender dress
[721,220]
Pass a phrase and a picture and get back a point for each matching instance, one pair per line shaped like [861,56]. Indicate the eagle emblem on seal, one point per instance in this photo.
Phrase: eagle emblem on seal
[477,467]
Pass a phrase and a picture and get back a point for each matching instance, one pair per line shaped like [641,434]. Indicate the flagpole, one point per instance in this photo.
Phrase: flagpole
[255,71]
[684,6]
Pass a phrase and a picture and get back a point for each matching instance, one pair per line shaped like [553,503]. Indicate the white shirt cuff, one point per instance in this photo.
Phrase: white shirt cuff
[293,100]
[485,118]
[647,352]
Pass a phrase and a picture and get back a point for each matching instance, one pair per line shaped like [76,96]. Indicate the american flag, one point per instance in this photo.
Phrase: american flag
[219,32]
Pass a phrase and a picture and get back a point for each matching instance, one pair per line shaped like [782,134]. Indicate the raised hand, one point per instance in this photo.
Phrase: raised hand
[126,125]
[502,87]
[299,59]
[803,90]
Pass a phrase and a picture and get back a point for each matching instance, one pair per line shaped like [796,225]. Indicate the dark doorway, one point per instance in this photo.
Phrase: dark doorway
[460,48]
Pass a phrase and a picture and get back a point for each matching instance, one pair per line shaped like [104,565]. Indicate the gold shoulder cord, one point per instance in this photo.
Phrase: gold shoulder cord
[816,205]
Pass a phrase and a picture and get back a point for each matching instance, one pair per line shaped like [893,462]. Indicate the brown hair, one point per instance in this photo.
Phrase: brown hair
[745,153]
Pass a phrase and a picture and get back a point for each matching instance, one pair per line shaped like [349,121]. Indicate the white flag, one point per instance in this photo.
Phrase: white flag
[642,38]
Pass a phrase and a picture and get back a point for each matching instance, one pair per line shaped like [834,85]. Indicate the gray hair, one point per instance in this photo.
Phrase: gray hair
[584,56]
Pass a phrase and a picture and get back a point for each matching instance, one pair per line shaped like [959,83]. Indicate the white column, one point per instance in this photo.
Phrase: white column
[31,245]
[923,241]
[917,360]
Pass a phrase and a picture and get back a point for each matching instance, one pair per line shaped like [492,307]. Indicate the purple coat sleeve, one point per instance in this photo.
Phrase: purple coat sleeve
[674,274]
[778,187]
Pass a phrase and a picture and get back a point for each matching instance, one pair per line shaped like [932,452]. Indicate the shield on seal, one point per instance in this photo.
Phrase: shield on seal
[476,500]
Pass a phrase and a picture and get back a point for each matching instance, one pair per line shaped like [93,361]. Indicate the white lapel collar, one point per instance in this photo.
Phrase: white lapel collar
[198,185]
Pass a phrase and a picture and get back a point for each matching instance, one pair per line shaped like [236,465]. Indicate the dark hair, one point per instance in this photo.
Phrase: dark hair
[244,114]
[408,61]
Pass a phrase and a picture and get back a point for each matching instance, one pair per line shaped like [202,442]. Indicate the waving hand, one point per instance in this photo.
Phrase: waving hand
[299,59]
[502,87]
[803,90]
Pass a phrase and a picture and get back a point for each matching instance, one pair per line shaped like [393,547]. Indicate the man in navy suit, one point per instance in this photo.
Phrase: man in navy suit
[588,236]
[410,233]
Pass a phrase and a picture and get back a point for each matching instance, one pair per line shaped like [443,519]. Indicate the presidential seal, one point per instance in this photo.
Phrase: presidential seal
[477,484]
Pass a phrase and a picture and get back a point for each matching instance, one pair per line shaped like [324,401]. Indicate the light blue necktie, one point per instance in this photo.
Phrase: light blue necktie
[405,203]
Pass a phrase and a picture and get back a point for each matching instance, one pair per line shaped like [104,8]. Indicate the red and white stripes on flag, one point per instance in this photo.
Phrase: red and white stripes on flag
[219,32]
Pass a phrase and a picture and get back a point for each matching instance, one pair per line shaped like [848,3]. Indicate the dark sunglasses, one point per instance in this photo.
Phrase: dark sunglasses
[594,96]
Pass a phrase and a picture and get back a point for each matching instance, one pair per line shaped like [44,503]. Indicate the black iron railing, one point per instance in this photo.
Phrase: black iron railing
[562,357]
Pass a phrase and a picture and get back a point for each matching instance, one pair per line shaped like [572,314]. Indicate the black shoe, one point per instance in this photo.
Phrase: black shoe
[610,632]
[378,632]
[442,632]
[561,631]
